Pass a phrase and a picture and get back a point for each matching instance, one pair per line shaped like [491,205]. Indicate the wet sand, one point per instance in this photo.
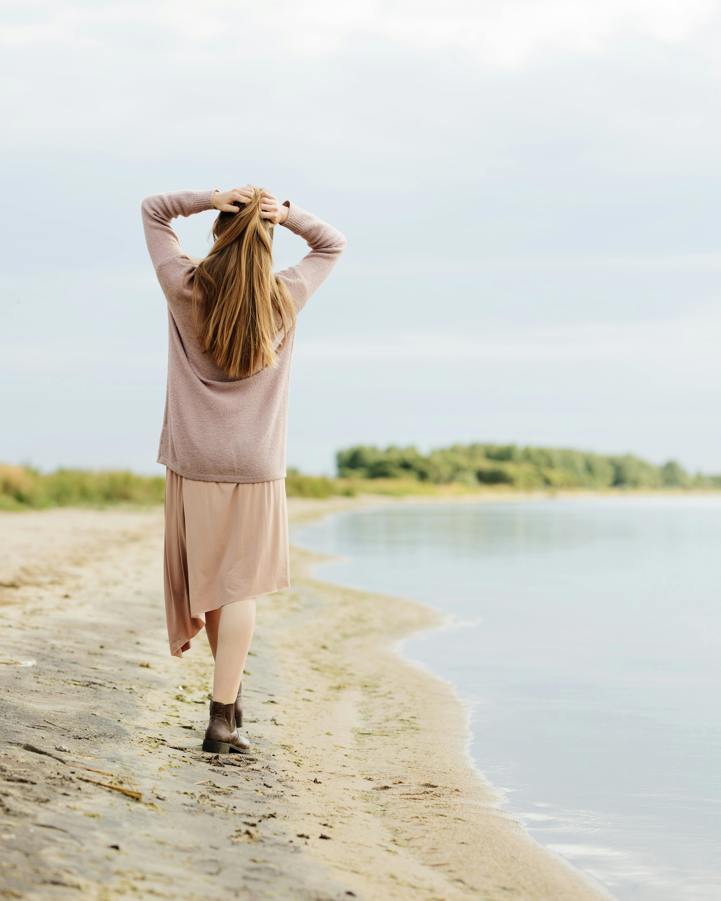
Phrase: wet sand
[359,784]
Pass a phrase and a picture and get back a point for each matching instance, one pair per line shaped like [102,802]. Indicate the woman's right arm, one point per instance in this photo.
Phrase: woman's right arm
[326,245]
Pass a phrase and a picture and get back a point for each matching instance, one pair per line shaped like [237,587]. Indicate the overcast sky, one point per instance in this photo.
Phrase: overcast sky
[530,191]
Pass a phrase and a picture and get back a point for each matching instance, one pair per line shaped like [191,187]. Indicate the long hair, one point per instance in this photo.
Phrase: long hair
[240,306]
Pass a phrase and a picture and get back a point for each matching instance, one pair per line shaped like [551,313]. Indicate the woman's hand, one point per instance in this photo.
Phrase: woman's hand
[270,208]
[223,200]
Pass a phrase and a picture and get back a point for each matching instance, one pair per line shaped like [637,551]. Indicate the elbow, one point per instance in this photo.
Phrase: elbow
[341,242]
[147,205]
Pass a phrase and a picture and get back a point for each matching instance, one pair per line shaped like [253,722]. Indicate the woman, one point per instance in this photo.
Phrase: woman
[231,328]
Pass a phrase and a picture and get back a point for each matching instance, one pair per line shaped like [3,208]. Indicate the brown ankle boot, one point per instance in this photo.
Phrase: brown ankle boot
[221,736]
[239,708]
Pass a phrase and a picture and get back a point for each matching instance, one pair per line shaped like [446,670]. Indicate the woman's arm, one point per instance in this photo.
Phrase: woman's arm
[326,245]
[157,212]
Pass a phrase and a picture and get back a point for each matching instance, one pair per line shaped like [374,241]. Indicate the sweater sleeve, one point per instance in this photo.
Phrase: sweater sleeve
[326,245]
[157,212]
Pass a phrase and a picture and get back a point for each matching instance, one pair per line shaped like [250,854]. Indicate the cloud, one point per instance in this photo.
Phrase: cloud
[502,33]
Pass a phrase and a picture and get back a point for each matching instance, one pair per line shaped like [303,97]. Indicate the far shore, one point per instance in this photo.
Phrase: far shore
[28,488]
[382,496]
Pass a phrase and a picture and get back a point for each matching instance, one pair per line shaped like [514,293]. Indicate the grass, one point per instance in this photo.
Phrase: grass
[27,488]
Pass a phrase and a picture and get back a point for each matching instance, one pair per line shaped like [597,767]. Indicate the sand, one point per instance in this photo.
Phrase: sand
[359,784]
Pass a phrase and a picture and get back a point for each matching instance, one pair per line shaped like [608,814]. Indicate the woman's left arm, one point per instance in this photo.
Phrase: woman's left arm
[157,212]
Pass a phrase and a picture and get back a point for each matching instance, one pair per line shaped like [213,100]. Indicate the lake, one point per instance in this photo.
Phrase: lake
[585,636]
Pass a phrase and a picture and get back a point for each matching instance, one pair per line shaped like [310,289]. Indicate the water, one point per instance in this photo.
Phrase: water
[586,637]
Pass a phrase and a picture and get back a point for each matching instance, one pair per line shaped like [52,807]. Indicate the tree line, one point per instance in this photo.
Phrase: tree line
[516,466]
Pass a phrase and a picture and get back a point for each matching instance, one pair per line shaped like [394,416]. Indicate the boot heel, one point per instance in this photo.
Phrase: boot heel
[216,747]
[222,736]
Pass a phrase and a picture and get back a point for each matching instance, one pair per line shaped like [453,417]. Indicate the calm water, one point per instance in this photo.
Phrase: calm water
[586,638]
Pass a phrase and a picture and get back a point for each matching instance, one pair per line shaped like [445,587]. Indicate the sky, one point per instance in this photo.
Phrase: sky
[529,188]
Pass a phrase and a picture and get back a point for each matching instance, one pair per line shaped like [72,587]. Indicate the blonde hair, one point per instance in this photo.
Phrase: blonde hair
[240,306]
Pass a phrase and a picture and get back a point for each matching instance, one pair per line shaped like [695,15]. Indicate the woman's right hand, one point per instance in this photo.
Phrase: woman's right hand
[223,200]
[271,208]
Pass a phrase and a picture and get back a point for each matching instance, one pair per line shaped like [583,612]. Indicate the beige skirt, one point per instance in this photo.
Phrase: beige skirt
[224,542]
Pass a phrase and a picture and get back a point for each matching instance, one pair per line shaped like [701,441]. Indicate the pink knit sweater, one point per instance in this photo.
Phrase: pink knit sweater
[216,428]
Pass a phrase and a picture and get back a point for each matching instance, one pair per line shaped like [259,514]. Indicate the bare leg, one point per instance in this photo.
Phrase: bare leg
[212,621]
[235,633]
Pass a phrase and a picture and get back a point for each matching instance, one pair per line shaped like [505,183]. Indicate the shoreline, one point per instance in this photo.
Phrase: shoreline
[496,795]
[359,784]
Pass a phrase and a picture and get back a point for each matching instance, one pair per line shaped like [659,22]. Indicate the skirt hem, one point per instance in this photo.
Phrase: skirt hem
[245,597]
[184,644]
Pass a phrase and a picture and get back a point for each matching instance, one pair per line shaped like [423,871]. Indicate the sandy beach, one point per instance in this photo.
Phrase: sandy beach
[359,784]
